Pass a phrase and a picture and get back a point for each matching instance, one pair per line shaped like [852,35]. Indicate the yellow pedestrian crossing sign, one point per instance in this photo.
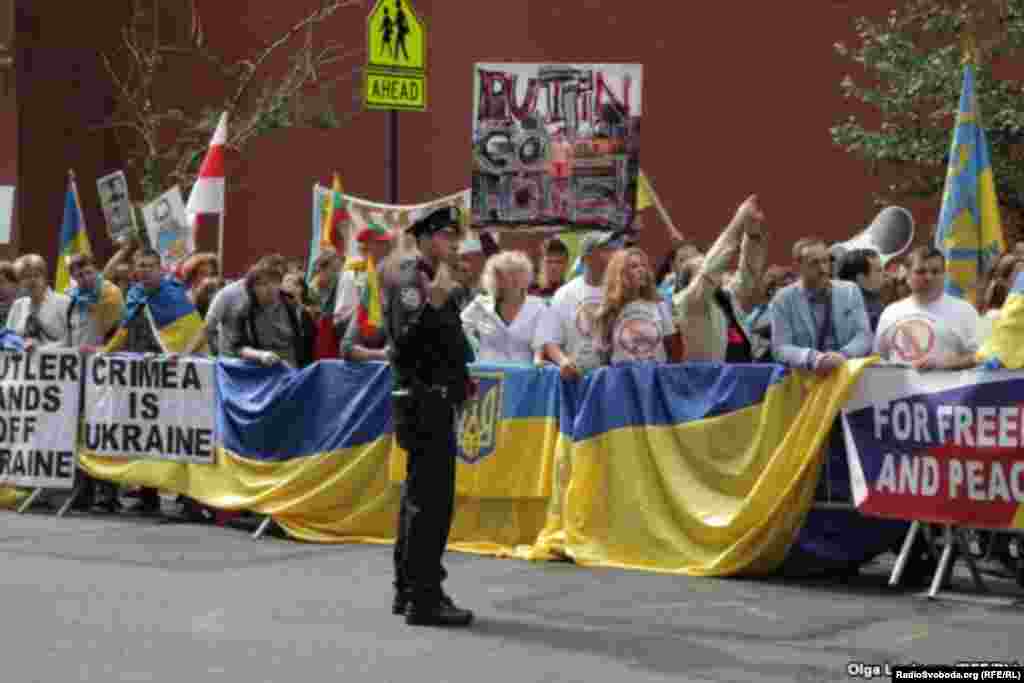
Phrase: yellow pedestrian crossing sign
[396,69]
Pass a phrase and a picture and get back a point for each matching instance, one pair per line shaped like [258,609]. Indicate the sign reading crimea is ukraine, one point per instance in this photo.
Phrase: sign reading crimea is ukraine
[396,65]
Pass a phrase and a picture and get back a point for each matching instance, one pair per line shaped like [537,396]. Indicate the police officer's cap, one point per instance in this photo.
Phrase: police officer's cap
[436,221]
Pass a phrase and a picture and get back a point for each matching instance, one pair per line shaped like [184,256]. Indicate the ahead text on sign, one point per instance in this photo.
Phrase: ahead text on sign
[391,90]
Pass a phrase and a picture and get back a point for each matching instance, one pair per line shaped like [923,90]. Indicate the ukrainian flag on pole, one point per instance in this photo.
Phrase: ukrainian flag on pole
[970,232]
[73,237]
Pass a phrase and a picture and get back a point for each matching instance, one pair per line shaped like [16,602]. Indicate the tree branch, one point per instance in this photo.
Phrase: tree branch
[254,65]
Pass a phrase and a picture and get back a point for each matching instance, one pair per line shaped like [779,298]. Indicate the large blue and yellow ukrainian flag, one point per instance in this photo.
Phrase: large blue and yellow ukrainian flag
[73,237]
[172,315]
[970,232]
[701,469]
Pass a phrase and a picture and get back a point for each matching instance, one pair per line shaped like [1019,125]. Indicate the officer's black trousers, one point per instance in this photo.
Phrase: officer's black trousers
[425,428]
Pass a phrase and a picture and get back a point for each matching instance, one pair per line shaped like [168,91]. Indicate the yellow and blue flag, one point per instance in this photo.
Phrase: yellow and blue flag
[73,237]
[644,192]
[970,232]
[702,468]
[169,311]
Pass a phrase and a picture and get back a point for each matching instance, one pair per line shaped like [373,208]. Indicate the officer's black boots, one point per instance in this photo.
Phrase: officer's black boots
[400,604]
[437,614]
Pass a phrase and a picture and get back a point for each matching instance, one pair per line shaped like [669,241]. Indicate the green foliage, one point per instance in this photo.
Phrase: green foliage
[325,119]
[904,99]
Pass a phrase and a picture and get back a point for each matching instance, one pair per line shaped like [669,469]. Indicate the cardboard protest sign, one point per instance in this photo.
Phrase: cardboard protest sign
[150,409]
[116,205]
[556,145]
[39,404]
[167,227]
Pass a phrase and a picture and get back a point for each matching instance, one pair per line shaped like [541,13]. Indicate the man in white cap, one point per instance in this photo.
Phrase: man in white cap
[566,330]
[473,253]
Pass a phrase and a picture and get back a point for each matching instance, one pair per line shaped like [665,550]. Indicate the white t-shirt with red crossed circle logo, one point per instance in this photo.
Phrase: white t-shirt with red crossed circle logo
[640,331]
[570,322]
[909,331]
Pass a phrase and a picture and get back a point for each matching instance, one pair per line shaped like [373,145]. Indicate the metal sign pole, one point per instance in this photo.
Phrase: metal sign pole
[392,157]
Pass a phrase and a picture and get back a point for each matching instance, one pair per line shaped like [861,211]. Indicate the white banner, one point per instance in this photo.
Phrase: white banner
[396,217]
[117,206]
[39,394]
[150,409]
[168,227]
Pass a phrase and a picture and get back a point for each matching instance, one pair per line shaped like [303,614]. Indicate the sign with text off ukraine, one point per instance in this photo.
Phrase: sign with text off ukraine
[396,64]
[39,402]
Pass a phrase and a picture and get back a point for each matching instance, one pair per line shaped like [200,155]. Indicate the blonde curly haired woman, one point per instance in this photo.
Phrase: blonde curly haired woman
[634,323]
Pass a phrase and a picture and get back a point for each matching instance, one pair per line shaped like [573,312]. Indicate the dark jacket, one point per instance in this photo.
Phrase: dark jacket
[428,347]
[303,332]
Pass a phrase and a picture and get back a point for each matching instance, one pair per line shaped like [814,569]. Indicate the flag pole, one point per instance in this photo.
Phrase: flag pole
[220,240]
[78,205]
[661,209]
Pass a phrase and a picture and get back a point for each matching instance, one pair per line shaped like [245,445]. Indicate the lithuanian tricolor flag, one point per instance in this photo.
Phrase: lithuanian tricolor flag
[331,234]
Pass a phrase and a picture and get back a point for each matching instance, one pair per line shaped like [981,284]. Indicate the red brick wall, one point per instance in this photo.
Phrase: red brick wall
[733,105]
[737,99]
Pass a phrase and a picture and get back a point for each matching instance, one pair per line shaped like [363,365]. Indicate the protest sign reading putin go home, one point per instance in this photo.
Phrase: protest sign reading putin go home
[39,395]
[150,409]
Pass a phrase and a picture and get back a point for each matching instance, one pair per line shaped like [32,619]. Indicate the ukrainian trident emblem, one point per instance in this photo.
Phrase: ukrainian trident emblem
[478,422]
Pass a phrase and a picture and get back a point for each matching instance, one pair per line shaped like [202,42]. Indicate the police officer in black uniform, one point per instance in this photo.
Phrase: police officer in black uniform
[429,356]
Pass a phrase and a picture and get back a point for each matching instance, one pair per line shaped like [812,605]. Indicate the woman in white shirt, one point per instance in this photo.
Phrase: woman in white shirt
[41,318]
[502,320]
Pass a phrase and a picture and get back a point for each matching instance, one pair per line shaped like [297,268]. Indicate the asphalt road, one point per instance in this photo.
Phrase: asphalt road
[129,599]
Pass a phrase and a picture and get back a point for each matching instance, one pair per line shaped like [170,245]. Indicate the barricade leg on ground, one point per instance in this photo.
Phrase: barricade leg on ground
[24,507]
[263,527]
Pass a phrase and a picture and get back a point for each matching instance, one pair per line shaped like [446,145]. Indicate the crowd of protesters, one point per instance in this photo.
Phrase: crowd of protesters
[611,307]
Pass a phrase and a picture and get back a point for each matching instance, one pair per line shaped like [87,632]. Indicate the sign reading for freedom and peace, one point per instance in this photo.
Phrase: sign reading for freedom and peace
[155,410]
[39,395]
[941,447]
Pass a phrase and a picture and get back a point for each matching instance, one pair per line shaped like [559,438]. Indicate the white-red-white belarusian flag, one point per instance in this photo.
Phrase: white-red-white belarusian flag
[206,200]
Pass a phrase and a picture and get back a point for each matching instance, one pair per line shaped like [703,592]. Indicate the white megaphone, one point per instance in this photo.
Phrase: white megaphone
[890,234]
